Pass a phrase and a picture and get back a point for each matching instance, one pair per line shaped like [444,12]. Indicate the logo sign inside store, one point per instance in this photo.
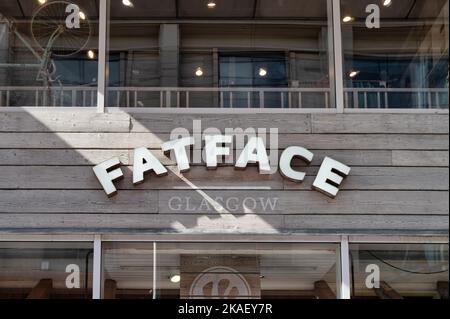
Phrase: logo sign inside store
[329,177]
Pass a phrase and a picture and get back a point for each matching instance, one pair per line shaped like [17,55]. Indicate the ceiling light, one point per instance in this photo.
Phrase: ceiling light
[82,15]
[199,72]
[387,3]
[353,74]
[347,19]
[127,3]
[175,278]
[262,72]
[212,4]
[91,54]
[42,1]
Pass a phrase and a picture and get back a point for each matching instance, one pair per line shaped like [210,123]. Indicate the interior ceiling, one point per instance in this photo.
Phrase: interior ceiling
[399,9]
[241,9]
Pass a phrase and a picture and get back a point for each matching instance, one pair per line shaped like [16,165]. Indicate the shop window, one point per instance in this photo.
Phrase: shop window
[45,270]
[128,270]
[399,271]
[220,270]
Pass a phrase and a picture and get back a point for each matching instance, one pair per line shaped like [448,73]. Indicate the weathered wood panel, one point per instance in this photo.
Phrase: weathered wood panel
[236,202]
[361,178]
[165,123]
[388,178]
[380,123]
[77,201]
[58,177]
[63,121]
[398,183]
[307,202]
[89,121]
[70,157]
[39,120]
[89,157]
[378,224]
[61,157]
[154,141]
[420,158]
[226,224]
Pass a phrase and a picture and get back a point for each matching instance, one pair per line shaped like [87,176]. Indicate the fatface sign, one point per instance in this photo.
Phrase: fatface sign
[329,178]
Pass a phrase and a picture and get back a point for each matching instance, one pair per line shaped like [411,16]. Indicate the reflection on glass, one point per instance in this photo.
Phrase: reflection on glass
[233,270]
[219,270]
[45,270]
[127,270]
[401,64]
[48,53]
[230,54]
[398,271]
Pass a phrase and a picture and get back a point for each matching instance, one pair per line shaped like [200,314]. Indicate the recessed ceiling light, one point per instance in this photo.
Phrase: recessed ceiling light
[387,3]
[91,54]
[262,72]
[212,4]
[347,19]
[42,1]
[175,279]
[199,72]
[353,73]
[127,3]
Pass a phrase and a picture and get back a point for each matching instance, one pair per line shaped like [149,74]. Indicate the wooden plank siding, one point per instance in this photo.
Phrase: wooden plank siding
[398,184]
[363,178]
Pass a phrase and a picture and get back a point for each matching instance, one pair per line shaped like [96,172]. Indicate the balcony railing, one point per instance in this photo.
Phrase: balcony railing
[157,97]
[385,98]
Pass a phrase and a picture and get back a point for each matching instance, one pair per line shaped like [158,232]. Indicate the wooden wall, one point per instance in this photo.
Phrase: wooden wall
[398,184]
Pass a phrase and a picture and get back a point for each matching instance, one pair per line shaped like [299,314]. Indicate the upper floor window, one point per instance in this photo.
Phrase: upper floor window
[395,54]
[235,54]
[226,54]
[48,53]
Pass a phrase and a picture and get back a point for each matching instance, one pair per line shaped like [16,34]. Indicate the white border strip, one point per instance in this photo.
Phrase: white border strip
[338,59]
[97,271]
[345,269]
[102,52]
[289,238]
[155,260]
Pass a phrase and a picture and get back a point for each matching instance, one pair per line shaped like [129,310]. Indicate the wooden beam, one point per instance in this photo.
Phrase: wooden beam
[442,288]
[110,289]
[323,291]
[42,290]
[387,292]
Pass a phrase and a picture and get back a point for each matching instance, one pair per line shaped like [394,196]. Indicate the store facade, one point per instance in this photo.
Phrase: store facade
[224,149]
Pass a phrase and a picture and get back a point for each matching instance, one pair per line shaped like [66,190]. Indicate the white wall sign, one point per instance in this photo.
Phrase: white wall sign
[330,176]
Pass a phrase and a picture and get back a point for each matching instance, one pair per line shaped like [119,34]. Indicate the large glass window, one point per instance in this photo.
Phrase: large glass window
[220,270]
[127,270]
[229,54]
[225,53]
[395,53]
[397,271]
[45,270]
[48,53]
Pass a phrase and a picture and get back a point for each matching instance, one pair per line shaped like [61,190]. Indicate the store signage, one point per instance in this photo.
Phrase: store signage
[329,178]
